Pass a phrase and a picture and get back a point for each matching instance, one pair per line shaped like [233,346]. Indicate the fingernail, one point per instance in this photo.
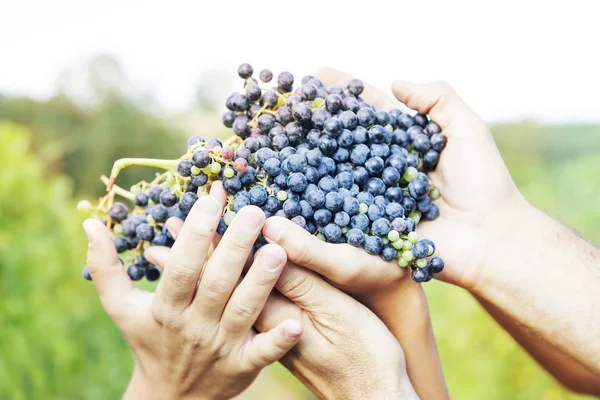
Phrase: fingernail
[253,220]
[88,228]
[211,207]
[273,230]
[292,327]
[272,260]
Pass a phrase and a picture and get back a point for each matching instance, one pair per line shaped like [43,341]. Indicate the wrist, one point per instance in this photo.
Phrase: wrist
[142,388]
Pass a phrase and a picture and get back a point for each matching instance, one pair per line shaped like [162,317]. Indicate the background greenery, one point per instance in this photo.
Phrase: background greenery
[57,343]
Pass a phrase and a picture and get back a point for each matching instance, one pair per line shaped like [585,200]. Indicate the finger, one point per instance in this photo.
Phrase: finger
[308,290]
[109,276]
[439,101]
[268,347]
[224,267]
[276,310]
[157,255]
[372,95]
[188,255]
[174,226]
[250,296]
[342,264]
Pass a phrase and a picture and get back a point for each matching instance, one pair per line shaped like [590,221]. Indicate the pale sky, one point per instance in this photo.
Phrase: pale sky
[509,60]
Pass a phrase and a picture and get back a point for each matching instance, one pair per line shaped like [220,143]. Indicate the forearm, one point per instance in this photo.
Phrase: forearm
[405,312]
[546,278]
[564,368]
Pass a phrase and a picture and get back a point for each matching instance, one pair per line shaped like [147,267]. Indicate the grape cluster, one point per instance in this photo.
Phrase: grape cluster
[319,156]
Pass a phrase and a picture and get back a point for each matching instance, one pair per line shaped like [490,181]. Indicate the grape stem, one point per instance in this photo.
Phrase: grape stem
[117,189]
[119,165]
[231,140]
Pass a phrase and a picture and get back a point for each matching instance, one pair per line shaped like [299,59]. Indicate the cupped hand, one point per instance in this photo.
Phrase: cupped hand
[477,196]
[194,337]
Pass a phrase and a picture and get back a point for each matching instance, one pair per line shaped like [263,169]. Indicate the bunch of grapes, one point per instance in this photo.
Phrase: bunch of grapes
[319,156]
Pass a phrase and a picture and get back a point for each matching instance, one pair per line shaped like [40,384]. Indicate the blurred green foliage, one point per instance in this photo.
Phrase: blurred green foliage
[57,343]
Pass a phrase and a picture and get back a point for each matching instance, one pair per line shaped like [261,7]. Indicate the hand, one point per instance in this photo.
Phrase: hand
[193,338]
[345,352]
[478,194]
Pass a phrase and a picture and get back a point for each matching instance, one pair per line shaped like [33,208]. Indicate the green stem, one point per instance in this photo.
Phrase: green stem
[140,162]
[117,189]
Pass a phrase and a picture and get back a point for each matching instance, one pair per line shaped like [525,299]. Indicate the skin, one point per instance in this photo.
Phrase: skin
[547,300]
[193,338]
[345,352]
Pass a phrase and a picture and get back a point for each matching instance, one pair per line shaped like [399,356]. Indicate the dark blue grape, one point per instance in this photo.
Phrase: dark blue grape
[366,198]
[418,189]
[86,273]
[272,166]
[160,239]
[311,174]
[319,116]
[374,166]
[345,139]
[118,212]
[373,244]
[421,143]
[412,160]
[377,134]
[291,208]
[333,103]
[168,198]
[345,180]
[258,195]
[144,232]
[343,167]
[359,154]
[360,175]
[359,221]
[340,155]
[380,150]
[121,244]
[410,225]
[232,185]
[421,120]
[431,129]
[296,162]
[389,253]
[328,184]
[351,104]
[422,275]
[240,126]
[366,116]
[431,159]
[436,265]
[382,201]
[334,202]
[351,205]
[341,219]
[322,216]
[136,272]
[327,144]
[405,121]
[420,249]
[382,118]
[424,204]
[394,210]
[307,211]
[431,214]
[160,212]
[333,127]
[222,227]
[390,176]
[381,226]
[248,176]
[301,113]
[397,161]
[375,186]
[141,200]
[332,233]
[376,212]
[154,193]
[409,204]
[349,119]
[360,135]
[297,182]
[355,237]
[316,199]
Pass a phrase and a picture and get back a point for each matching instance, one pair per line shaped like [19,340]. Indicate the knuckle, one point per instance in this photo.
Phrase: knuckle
[242,311]
[444,87]
[215,285]
[304,256]
[163,315]
[202,232]
[297,286]
[182,273]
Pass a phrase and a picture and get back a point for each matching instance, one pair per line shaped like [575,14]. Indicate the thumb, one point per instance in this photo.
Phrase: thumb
[440,101]
[111,280]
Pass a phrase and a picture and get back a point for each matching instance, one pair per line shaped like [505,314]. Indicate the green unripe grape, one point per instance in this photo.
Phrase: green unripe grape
[408,256]
[385,240]
[215,167]
[389,128]
[150,219]
[416,216]
[355,187]
[430,250]
[228,172]
[206,169]
[398,244]
[321,237]
[411,174]
[118,229]
[407,245]
[84,206]
[363,208]
[281,195]
[421,263]
[217,150]
[135,189]
[413,237]
[420,165]
[434,194]
[393,235]
[196,170]
[171,180]
[318,103]
[345,230]
[402,262]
